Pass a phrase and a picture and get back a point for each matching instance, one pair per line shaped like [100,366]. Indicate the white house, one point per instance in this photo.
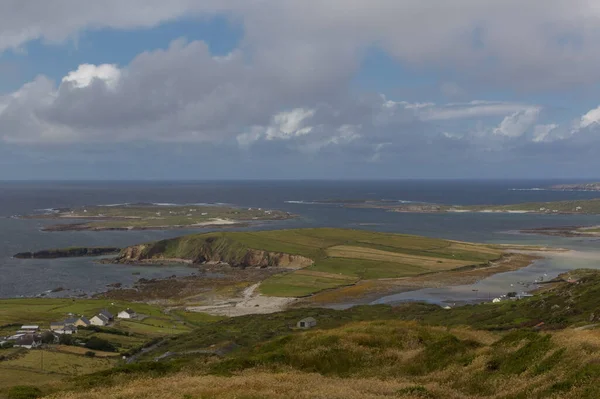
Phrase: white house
[28,341]
[99,320]
[127,314]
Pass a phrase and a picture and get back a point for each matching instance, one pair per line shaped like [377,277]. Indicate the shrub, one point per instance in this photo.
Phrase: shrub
[90,354]
[65,339]
[24,392]
[99,344]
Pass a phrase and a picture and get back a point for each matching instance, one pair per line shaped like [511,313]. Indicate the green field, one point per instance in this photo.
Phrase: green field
[339,256]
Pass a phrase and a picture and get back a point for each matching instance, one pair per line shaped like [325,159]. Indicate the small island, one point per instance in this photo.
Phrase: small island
[72,252]
[155,217]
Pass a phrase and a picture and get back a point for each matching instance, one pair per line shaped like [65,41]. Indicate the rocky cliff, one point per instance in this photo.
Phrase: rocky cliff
[201,249]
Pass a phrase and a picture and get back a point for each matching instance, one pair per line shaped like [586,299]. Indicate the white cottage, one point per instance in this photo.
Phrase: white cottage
[127,314]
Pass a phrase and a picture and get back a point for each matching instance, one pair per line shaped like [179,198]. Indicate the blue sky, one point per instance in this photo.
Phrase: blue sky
[235,89]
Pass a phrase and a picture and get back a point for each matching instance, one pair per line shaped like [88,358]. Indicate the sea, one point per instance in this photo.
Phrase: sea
[85,276]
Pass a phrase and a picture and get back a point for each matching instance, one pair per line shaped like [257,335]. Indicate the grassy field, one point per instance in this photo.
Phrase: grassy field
[156,216]
[339,256]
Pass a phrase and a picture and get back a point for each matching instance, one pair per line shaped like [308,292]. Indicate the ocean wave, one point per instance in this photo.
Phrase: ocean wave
[114,205]
[303,202]
[529,189]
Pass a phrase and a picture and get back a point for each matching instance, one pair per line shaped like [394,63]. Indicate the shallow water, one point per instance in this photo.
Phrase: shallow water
[500,284]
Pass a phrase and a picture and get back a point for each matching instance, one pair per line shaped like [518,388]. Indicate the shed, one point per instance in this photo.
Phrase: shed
[307,322]
[31,327]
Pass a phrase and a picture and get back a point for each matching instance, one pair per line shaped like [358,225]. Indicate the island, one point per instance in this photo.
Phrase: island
[583,207]
[577,187]
[72,252]
[155,217]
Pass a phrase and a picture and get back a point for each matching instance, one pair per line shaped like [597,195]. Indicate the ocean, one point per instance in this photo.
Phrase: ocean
[84,276]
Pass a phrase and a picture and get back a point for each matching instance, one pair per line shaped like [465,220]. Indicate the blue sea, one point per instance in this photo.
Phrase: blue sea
[84,276]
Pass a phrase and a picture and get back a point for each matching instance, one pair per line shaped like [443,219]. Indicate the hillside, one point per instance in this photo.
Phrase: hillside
[543,347]
[319,259]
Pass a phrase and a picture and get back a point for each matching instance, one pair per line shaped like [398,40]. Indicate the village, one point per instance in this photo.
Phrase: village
[31,336]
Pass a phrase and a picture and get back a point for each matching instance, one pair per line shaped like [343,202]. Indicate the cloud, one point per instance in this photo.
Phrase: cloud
[518,123]
[591,118]
[87,73]
[548,43]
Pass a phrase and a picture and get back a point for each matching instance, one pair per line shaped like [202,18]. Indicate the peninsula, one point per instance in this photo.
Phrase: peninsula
[304,263]
[155,217]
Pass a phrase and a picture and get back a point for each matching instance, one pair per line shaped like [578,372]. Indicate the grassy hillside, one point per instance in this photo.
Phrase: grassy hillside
[340,257]
[409,351]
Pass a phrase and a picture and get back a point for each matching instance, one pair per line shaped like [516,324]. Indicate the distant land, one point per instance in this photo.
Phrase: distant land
[155,217]
[585,207]
[577,187]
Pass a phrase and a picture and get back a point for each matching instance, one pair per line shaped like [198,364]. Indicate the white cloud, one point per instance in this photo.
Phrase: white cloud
[592,117]
[87,73]
[542,132]
[286,125]
[518,123]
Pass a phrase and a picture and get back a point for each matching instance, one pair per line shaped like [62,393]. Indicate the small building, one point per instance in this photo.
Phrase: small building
[57,325]
[67,330]
[28,341]
[82,322]
[127,314]
[70,321]
[306,323]
[30,328]
[109,316]
[99,320]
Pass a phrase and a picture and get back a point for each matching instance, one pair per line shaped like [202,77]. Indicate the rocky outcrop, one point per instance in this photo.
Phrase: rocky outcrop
[68,253]
[208,253]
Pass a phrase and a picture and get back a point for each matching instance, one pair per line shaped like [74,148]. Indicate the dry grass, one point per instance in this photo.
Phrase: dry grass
[249,385]
[56,362]
[428,262]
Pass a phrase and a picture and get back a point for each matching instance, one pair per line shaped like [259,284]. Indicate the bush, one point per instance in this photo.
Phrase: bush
[24,392]
[100,344]
[65,339]
[48,337]
[90,354]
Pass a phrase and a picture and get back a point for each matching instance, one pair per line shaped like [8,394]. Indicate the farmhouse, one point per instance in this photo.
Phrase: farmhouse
[82,322]
[57,325]
[307,323]
[99,320]
[109,316]
[127,314]
[28,341]
[68,330]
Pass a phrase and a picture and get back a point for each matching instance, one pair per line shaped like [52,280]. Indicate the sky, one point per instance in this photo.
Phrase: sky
[299,89]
